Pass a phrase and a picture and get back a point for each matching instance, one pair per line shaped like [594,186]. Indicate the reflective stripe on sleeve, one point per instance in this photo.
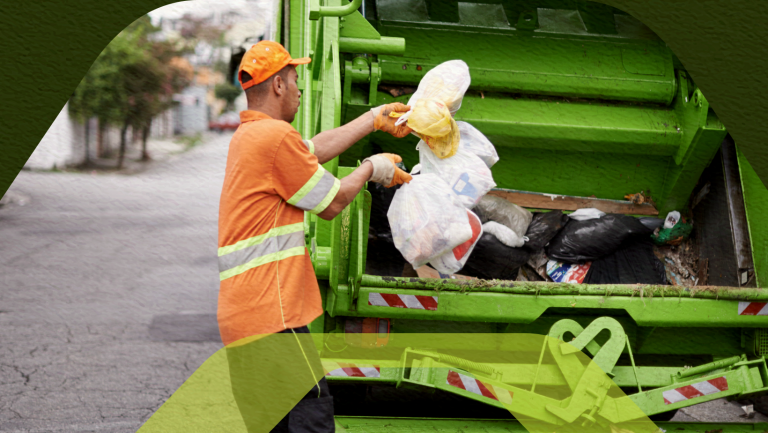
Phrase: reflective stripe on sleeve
[317,193]
[310,145]
[277,244]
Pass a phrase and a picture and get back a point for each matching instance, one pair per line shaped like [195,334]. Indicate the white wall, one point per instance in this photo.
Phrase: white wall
[63,145]
[192,111]
[162,125]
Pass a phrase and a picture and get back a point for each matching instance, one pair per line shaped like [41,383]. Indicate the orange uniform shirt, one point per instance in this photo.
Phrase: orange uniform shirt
[267,280]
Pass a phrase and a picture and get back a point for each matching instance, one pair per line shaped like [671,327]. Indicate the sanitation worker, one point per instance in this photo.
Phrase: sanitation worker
[268,285]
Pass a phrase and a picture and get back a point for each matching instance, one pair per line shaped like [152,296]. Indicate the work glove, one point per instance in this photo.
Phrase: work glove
[385,116]
[386,172]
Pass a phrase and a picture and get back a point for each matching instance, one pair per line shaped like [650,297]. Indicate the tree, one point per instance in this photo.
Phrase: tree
[130,82]
[81,108]
[229,93]
[175,73]
[202,39]
[101,93]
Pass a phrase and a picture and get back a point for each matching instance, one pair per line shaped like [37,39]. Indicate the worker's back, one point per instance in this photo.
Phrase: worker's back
[267,281]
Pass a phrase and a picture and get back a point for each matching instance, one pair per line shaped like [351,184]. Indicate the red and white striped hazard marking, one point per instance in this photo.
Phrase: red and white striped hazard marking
[403,301]
[753,308]
[469,383]
[700,389]
[344,369]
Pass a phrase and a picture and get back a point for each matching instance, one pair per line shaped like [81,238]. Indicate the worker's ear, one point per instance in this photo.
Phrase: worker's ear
[278,85]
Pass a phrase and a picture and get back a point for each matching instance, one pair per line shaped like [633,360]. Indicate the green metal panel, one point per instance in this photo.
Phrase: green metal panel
[630,70]
[756,204]
[511,308]
[340,241]
[581,126]
[701,136]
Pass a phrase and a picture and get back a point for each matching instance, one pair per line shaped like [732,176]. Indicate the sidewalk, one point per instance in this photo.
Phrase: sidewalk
[159,150]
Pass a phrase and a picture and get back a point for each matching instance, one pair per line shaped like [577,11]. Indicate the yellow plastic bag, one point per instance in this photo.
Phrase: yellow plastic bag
[446,82]
[430,117]
[432,107]
[432,122]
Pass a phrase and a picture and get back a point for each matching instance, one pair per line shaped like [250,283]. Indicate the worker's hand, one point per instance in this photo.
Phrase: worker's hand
[385,116]
[385,171]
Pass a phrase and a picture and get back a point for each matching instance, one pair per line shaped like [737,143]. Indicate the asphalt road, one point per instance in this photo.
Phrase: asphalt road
[108,287]
[102,279]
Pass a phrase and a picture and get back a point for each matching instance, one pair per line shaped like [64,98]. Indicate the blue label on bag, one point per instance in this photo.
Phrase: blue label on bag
[463,187]
[567,273]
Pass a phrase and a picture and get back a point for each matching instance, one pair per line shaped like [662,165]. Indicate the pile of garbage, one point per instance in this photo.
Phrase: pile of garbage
[445,217]
[431,217]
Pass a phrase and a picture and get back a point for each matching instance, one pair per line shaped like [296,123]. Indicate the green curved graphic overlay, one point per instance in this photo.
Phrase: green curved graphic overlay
[547,384]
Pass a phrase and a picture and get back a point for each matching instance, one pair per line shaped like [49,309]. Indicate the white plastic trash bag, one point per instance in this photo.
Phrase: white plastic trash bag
[464,172]
[427,220]
[584,214]
[447,82]
[493,208]
[475,142]
[504,234]
[452,261]
[436,100]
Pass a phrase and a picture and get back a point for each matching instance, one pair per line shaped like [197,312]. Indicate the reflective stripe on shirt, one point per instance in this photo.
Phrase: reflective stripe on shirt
[310,145]
[277,244]
[317,193]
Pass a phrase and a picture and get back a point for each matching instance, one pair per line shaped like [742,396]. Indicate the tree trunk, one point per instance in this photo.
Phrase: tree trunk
[121,154]
[100,139]
[144,137]
[87,142]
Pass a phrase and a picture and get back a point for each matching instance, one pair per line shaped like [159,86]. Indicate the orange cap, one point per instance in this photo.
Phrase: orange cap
[264,60]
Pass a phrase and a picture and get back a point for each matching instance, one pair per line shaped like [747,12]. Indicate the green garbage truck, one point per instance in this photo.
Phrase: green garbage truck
[585,106]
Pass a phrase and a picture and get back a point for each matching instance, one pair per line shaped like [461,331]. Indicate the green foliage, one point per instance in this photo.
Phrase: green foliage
[221,66]
[190,141]
[228,92]
[132,80]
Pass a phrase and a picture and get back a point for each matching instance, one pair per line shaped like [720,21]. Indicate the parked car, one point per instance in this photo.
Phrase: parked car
[228,120]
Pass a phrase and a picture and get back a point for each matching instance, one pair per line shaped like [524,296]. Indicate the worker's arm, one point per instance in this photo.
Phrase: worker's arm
[379,168]
[299,180]
[329,144]
[350,186]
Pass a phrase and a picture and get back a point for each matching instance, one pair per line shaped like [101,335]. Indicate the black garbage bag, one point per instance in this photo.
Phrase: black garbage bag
[383,258]
[582,241]
[651,222]
[493,260]
[544,226]
[633,263]
[381,199]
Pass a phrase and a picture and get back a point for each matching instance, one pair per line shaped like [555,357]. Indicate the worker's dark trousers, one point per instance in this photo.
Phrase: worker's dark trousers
[277,368]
